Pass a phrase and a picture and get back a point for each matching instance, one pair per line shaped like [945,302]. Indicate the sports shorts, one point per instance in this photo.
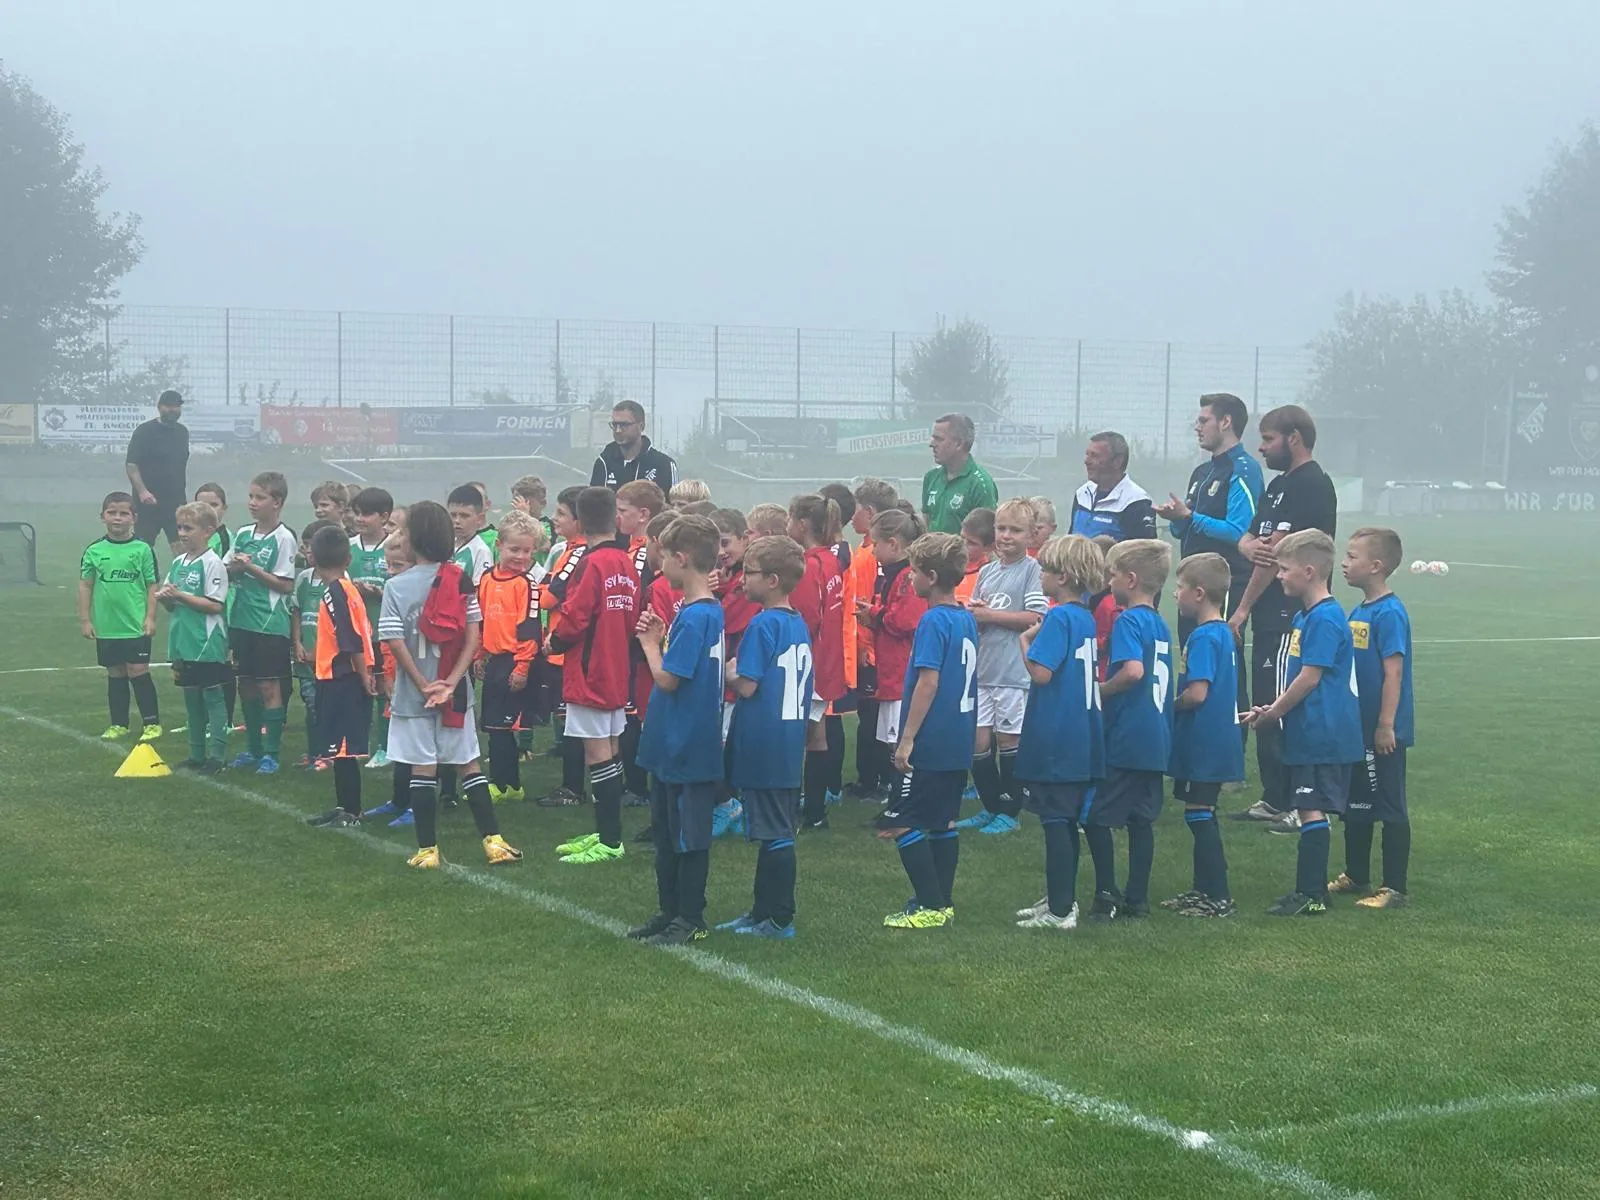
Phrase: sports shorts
[425,741]
[1324,786]
[889,722]
[344,717]
[931,800]
[1378,793]
[1126,795]
[680,815]
[1192,794]
[770,813]
[201,674]
[1001,708]
[122,652]
[1056,801]
[259,655]
[595,722]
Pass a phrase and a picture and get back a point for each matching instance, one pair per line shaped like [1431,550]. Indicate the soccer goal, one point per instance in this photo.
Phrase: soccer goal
[19,555]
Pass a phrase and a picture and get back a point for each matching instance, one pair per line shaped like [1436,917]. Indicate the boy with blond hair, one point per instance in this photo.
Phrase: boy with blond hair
[688,491]
[768,520]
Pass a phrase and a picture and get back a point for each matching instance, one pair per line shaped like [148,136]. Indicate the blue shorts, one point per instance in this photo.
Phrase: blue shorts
[931,799]
[680,815]
[1320,786]
[1126,795]
[770,813]
[1379,791]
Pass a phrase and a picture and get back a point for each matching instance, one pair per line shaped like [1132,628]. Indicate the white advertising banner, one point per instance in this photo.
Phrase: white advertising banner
[113,425]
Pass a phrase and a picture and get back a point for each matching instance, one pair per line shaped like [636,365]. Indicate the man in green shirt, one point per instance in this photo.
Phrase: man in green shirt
[958,484]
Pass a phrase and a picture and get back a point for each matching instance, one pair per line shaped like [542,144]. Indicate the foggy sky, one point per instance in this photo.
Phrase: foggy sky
[1192,170]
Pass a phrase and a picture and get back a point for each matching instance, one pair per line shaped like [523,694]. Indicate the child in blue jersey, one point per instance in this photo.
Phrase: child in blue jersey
[938,723]
[1318,709]
[1207,751]
[1138,715]
[771,678]
[681,742]
[1062,750]
[1380,631]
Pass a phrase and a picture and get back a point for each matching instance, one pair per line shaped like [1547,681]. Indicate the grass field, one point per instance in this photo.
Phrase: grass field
[203,997]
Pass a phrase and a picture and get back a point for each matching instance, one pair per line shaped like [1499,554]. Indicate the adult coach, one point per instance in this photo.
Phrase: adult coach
[1111,502]
[157,462]
[957,485]
[630,455]
[1301,497]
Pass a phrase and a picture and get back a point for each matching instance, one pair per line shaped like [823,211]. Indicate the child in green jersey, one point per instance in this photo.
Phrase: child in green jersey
[195,593]
[304,604]
[261,572]
[370,510]
[220,543]
[117,611]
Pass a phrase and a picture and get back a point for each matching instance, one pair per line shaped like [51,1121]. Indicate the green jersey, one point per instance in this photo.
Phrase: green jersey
[473,557]
[192,635]
[256,606]
[946,502]
[491,539]
[123,574]
[305,602]
[368,566]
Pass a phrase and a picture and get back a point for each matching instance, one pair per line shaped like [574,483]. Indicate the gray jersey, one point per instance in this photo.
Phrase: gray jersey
[1007,587]
[403,598]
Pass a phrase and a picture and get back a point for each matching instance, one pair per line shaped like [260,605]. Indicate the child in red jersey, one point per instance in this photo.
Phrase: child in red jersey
[892,614]
[872,496]
[820,602]
[639,503]
[833,723]
[1106,610]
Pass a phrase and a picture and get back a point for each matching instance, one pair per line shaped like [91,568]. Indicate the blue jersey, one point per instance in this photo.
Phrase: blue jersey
[1139,720]
[1206,747]
[946,641]
[1380,629]
[1325,727]
[768,737]
[1063,736]
[682,737]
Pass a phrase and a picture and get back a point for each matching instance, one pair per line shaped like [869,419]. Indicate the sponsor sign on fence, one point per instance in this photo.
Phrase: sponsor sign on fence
[290,425]
[113,425]
[16,424]
[550,426]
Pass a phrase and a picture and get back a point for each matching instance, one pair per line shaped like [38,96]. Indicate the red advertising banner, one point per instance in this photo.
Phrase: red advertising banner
[289,425]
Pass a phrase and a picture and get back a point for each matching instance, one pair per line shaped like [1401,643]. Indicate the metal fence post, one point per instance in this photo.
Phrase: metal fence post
[1077,390]
[1166,420]
[452,360]
[227,356]
[716,362]
[338,357]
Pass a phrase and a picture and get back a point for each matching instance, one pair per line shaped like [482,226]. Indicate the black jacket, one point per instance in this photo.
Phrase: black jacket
[652,464]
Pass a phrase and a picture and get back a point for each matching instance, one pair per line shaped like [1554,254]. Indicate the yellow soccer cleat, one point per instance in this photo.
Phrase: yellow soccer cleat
[1345,886]
[501,795]
[578,844]
[498,852]
[149,733]
[426,858]
[596,852]
[113,732]
[920,918]
[1385,897]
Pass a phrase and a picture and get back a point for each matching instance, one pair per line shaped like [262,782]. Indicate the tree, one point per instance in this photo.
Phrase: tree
[1549,256]
[60,258]
[139,387]
[956,369]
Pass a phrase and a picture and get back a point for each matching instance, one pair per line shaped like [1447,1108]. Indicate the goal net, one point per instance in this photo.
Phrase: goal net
[18,553]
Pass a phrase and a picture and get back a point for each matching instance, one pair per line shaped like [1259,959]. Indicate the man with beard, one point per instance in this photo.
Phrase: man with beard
[157,460]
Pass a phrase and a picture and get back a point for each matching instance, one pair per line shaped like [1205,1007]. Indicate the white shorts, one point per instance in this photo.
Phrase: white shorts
[595,722]
[1001,708]
[426,741]
[889,722]
[819,708]
[727,722]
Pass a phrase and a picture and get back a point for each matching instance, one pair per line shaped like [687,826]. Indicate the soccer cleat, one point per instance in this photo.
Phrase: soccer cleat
[597,853]
[267,765]
[1002,823]
[1183,899]
[450,801]
[1205,906]
[560,798]
[1285,825]
[242,760]
[1104,909]
[578,843]
[722,816]
[499,852]
[1298,904]
[978,820]
[969,793]
[679,933]
[404,819]
[501,795]
[738,922]
[113,732]
[645,836]
[1384,897]
[321,764]
[212,766]
[149,733]
[337,819]
[920,918]
[652,927]
[830,797]
[1042,904]
[820,825]
[1259,811]
[426,858]
[379,759]
[1133,912]
[323,818]
[635,800]
[1048,920]
[1345,886]
[768,929]
[386,809]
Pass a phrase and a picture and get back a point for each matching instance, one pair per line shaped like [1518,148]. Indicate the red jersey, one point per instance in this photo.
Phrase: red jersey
[598,616]
[738,610]
[664,600]
[819,599]
[896,609]
[1106,611]
[863,585]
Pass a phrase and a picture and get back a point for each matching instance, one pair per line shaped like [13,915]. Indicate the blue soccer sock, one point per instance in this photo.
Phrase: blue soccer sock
[1060,864]
[1311,868]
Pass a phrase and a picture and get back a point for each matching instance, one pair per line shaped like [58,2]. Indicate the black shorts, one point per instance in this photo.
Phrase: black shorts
[1324,786]
[259,655]
[498,706]
[931,800]
[1126,795]
[1269,659]
[770,813]
[344,717]
[156,518]
[847,703]
[1383,798]
[122,652]
[201,674]
[1193,794]
[1056,801]
[680,815]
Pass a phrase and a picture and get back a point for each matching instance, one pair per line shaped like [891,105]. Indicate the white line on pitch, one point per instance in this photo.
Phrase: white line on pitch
[1422,1112]
[1109,1112]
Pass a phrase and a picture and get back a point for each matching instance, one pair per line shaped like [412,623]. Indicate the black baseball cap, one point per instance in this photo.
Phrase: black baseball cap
[171,396]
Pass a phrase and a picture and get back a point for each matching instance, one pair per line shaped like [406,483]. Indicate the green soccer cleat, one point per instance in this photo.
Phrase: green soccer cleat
[500,795]
[578,843]
[149,733]
[113,732]
[599,852]
[920,918]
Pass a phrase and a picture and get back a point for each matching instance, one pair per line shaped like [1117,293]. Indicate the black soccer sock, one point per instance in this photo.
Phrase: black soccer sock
[449,781]
[572,764]
[693,867]
[777,863]
[606,780]
[1010,795]
[230,696]
[1060,864]
[1358,851]
[867,744]
[503,769]
[833,778]
[1311,867]
[1396,854]
[946,847]
[347,784]
[401,792]
[634,777]
[144,691]
[814,780]
[986,778]
[117,699]
[424,791]
[1104,853]
[1210,867]
[1141,858]
[475,788]
[666,869]
[917,858]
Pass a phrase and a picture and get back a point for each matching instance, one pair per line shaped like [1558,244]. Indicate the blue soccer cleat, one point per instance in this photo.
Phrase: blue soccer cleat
[267,766]
[1001,824]
[831,798]
[738,924]
[978,820]
[404,819]
[386,809]
[722,816]
[971,793]
[769,929]
[242,760]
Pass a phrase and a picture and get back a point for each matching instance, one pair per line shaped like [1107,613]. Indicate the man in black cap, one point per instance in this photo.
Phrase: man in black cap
[158,458]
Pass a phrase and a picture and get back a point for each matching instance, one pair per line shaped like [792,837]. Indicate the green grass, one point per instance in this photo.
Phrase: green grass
[203,997]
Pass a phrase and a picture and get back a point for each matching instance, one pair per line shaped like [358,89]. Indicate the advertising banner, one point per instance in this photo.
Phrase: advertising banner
[290,425]
[16,424]
[888,439]
[113,425]
[1553,460]
[424,426]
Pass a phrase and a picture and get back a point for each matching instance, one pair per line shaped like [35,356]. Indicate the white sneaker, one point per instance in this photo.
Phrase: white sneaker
[1048,920]
[378,759]
[1288,823]
[1042,904]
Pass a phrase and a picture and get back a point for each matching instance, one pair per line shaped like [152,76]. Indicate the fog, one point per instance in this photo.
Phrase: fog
[1214,172]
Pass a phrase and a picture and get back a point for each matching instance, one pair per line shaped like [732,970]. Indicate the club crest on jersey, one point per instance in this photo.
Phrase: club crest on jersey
[1216,485]
[1583,423]
[1360,634]
[1294,644]
[956,501]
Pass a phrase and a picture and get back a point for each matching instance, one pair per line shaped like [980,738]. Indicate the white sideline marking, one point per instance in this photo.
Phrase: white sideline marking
[1109,1112]
[1422,1112]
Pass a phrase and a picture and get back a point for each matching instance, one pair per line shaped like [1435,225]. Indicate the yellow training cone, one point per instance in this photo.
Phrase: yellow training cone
[143,763]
